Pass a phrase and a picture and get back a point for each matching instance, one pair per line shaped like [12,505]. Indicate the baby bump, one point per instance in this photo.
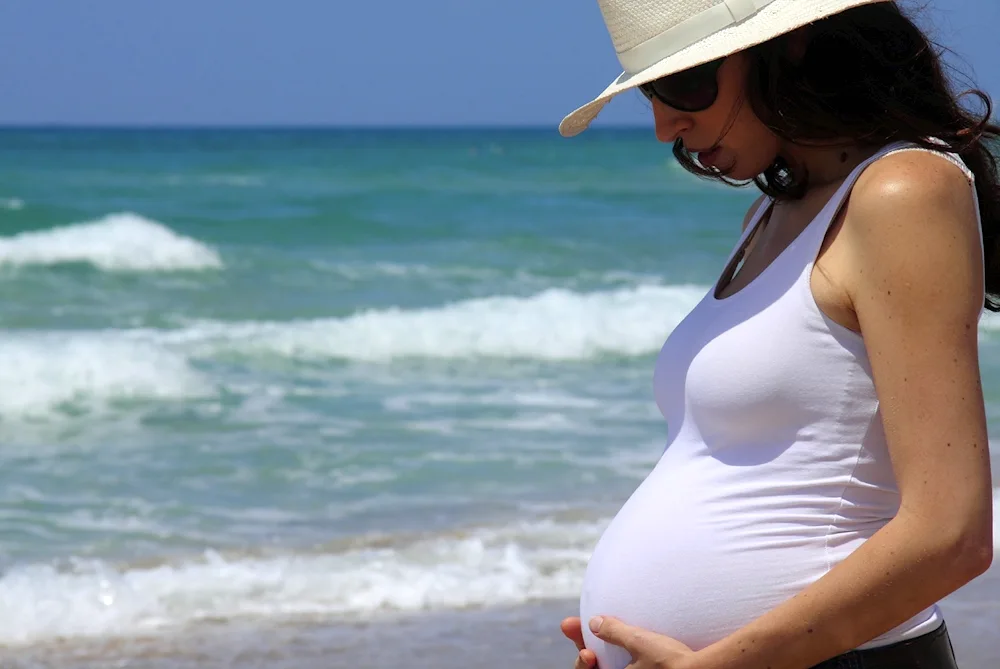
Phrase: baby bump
[670,565]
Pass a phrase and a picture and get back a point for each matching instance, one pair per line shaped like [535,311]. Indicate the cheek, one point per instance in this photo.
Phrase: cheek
[752,146]
[755,147]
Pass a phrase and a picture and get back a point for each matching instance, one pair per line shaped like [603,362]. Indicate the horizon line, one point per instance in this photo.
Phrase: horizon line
[5,125]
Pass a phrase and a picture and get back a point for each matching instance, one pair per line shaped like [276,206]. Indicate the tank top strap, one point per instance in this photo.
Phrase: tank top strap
[821,224]
[942,152]
[816,231]
[957,161]
[752,225]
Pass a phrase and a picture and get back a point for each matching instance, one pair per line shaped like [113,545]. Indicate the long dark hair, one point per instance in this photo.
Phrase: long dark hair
[869,75]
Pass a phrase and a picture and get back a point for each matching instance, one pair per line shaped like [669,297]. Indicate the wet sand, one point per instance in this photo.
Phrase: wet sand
[525,637]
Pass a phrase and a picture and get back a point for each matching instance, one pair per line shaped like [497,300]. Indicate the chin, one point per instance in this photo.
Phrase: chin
[746,164]
[743,172]
[733,171]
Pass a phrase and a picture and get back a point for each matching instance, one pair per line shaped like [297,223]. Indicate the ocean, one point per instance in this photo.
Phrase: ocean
[285,387]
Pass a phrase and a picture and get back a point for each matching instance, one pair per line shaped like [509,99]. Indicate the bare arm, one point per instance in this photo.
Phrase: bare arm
[917,289]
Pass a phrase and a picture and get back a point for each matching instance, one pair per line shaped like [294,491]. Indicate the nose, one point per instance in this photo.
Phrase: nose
[670,123]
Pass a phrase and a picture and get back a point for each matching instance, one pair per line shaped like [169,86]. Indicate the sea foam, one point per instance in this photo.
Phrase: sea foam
[480,567]
[555,325]
[43,373]
[118,242]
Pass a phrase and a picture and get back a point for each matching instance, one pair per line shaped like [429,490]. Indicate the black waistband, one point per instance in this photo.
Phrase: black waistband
[927,651]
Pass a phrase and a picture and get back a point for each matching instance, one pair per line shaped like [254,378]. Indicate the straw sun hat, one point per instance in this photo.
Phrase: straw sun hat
[655,38]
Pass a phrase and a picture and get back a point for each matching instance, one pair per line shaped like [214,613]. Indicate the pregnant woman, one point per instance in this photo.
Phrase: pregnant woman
[826,479]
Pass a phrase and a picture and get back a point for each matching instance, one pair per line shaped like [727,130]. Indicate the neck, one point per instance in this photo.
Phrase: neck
[827,164]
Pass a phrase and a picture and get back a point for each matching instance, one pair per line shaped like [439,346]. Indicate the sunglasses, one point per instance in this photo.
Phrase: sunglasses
[692,90]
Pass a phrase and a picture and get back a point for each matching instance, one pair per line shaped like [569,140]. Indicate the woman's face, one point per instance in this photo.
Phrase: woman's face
[728,135]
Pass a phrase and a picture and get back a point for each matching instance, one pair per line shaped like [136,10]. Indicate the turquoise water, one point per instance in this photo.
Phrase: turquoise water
[295,373]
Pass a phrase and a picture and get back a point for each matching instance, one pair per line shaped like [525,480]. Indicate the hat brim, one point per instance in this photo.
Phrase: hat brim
[776,19]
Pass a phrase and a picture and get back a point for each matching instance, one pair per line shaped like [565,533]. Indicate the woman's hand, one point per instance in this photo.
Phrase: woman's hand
[573,630]
[648,649]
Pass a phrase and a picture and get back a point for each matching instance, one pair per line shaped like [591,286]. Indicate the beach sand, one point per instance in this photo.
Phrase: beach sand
[525,637]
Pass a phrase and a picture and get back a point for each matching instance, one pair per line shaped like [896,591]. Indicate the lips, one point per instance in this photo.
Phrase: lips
[708,158]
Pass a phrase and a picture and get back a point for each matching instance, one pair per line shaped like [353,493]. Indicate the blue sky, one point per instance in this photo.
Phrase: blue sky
[337,62]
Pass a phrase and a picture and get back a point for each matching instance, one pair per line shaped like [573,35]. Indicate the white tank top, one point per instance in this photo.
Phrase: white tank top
[776,466]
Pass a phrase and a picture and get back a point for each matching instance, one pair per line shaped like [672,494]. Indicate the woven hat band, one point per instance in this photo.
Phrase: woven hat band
[687,32]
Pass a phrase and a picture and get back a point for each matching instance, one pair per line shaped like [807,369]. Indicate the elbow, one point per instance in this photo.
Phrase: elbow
[982,555]
[962,542]
[972,553]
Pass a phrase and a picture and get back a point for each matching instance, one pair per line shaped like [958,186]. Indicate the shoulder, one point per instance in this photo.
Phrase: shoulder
[912,225]
[911,180]
[758,203]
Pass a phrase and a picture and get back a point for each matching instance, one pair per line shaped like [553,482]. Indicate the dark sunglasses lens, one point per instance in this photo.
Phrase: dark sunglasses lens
[691,90]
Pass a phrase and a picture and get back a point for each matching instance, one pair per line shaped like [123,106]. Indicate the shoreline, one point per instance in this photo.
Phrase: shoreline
[525,636]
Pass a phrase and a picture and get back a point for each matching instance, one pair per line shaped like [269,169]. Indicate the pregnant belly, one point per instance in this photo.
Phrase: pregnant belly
[679,562]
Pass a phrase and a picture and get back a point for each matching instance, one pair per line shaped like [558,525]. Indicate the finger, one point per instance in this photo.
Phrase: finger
[572,628]
[586,659]
[617,633]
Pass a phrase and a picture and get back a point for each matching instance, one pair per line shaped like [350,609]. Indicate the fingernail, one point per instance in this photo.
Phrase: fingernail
[595,624]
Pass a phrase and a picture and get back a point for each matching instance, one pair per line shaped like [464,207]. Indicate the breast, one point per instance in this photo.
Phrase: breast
[753,378]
